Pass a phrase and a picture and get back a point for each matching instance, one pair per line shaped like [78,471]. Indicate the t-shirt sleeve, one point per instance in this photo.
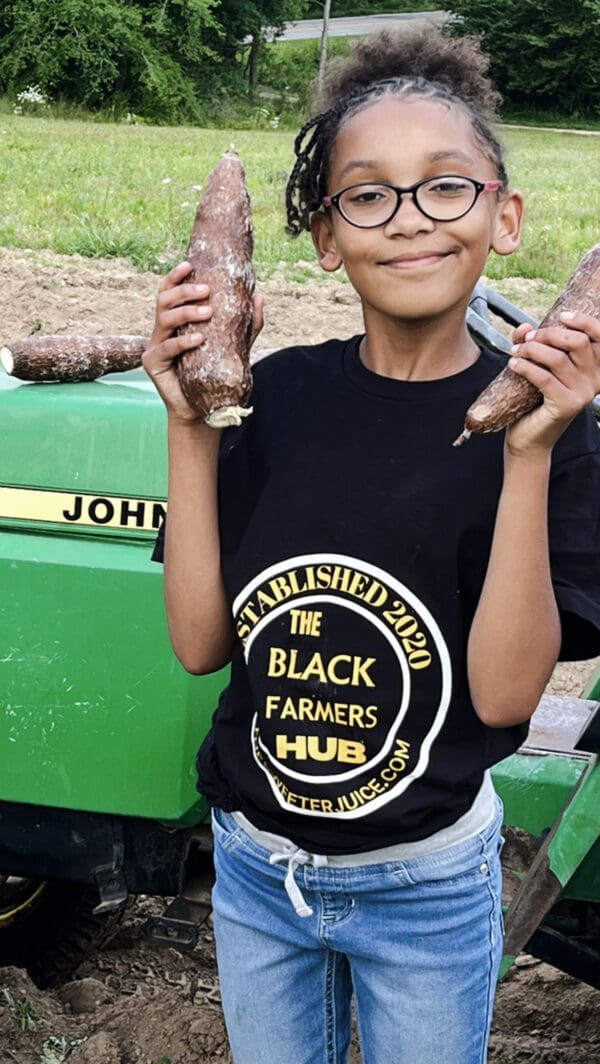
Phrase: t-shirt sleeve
[574,532]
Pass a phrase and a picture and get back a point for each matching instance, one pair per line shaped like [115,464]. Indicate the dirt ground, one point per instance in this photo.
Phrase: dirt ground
[132,1004]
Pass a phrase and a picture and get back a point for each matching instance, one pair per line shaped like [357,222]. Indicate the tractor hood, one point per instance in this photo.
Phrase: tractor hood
[83,458]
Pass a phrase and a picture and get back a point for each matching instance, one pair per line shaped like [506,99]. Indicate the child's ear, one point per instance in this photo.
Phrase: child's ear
[508,224]
[324,240]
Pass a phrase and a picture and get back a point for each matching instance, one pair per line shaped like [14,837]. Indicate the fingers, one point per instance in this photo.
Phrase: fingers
[543,359]
[159,357]
[521,331]
[585,323]
[569,352]
[182,293]
[576,336]
[186,314]
[182,302]
[175,276]
[258,318]
[576,345]
[563,364]
[564,385]
[557,379]
[179,303]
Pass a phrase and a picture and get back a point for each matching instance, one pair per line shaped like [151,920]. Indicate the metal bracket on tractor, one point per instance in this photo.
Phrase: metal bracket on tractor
[180,923]
[112,889]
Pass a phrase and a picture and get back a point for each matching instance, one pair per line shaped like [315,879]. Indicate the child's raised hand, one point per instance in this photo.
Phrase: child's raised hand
[180,303]
[563,361]
[177,304]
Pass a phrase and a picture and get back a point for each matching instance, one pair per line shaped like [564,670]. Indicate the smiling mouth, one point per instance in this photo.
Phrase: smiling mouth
[416,262]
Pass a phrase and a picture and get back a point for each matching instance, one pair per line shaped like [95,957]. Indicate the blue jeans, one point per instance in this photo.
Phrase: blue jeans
[417,942]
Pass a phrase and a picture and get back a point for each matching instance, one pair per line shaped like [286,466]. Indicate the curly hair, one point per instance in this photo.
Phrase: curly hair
[425,64]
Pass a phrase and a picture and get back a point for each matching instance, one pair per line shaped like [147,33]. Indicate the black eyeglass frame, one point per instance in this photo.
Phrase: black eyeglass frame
[479,187]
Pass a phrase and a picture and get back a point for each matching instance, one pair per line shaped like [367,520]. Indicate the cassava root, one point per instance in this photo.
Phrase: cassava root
[215,378]
[71,358]
[27,360]
[509,396]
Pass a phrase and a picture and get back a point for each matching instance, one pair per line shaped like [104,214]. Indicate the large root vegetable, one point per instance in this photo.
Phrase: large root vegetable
[71,358]
[215,377]
[509,396]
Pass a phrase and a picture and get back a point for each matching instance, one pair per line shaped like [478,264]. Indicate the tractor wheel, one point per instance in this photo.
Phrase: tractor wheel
[48,927]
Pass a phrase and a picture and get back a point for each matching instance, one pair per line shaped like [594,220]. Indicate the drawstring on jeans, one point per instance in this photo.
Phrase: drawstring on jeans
[295,858]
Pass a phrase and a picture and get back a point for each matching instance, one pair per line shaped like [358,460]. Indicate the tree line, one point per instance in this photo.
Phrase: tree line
[167,60]
[179,60]
[543,56]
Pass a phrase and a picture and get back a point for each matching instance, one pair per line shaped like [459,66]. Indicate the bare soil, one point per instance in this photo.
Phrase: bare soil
[132,1004]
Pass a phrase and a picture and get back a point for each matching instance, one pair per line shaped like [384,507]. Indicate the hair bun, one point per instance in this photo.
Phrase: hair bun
[455,62]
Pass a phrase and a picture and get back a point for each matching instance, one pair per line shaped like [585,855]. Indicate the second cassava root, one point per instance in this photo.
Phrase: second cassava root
[71,358]
[215,378]
[510,396]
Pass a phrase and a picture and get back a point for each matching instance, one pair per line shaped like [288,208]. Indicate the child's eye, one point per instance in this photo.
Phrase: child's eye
[448,187]
[365,195]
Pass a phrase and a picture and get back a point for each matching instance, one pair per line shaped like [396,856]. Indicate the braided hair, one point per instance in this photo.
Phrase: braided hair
[426,64]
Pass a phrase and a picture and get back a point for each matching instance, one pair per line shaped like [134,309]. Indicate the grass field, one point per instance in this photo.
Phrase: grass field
[129,190]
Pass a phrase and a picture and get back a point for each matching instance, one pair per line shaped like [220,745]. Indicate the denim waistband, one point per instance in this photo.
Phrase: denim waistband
[485,811]
[472,823]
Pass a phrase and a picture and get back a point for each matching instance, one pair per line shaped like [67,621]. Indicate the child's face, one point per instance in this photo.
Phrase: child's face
[413,267]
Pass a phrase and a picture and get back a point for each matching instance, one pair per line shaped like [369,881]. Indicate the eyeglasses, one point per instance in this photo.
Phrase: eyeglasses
[442,199]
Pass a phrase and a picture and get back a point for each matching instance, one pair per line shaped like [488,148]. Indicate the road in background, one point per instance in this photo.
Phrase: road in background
[358,27]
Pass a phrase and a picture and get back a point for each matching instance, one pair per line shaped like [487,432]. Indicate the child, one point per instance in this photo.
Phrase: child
[392,606]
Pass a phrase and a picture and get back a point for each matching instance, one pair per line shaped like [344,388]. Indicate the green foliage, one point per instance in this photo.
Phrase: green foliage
[27,1015]
[243,21]
[542,55]
[145,55]
[163,60]
[166,60]
[289,68]
[240,18]
[56,1050]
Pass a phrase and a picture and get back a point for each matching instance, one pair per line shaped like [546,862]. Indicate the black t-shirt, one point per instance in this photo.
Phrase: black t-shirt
[355,540]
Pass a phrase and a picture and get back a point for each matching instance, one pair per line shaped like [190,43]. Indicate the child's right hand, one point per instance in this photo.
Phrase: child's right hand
[180,303]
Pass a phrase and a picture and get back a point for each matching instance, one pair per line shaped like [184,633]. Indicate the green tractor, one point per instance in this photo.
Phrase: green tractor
[99,724]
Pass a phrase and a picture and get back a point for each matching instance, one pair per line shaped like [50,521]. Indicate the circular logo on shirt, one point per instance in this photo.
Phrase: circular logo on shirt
[350,678]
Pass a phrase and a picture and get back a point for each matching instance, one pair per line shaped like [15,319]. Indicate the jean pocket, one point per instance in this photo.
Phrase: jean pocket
[226,832]
[438,877]
[460,865]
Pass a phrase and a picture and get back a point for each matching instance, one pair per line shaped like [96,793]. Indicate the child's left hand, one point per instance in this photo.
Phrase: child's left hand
[563,361]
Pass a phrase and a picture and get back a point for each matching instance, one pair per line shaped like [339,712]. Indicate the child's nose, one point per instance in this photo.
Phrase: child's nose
[407,218]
